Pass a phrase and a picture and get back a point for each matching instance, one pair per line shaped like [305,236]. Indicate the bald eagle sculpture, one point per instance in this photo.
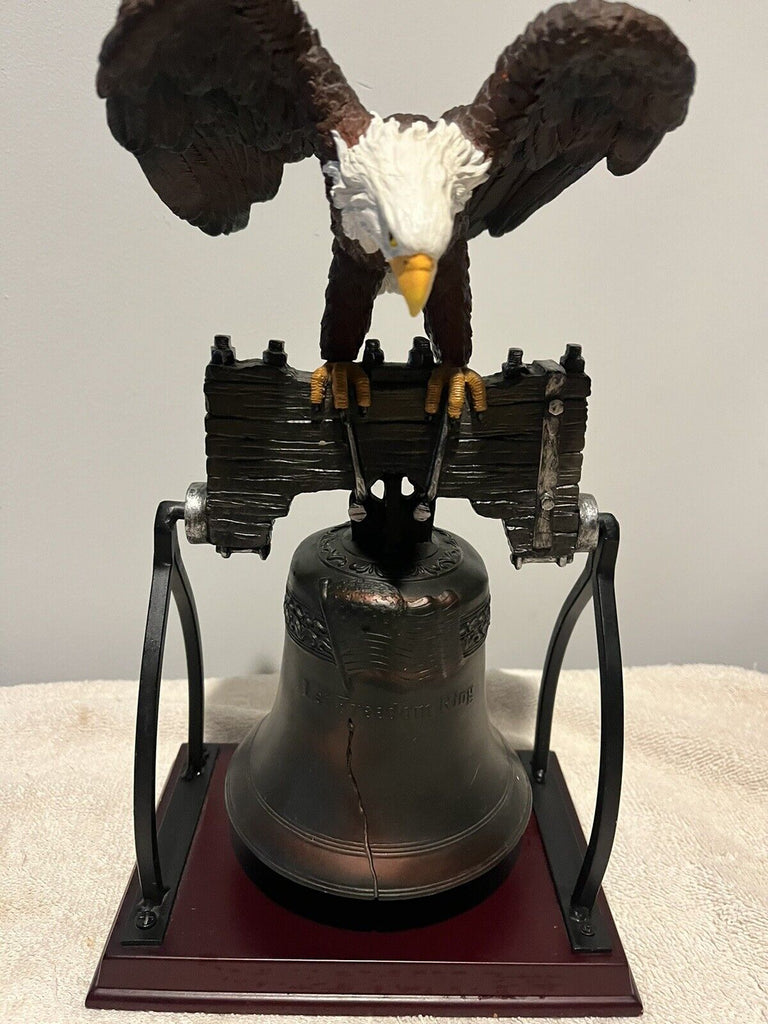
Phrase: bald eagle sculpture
[214,97]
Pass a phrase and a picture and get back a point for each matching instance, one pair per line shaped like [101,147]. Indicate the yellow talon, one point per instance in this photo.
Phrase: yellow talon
[340,385]
[318,383]
[477,395]
[457,393]
[362,385]
[457,379]
[437,381]
[340,376]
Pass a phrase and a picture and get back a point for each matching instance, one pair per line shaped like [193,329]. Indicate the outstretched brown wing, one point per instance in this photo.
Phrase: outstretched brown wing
[585,81]
[214,96]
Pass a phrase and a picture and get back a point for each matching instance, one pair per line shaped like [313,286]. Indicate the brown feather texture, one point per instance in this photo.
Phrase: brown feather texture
[584,82]
[215,96]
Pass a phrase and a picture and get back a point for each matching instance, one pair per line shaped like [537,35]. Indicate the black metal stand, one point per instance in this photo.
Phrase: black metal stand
[577,893]
[577,873]
[158,885]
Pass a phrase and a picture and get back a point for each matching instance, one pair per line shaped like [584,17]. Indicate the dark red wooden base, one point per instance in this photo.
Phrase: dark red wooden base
[232,948]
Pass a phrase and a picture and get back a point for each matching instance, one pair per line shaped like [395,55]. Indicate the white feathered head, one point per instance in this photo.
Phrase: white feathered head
[399,189]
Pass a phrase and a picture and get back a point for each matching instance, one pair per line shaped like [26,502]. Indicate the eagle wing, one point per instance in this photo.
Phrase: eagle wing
[585,81]
[214,97]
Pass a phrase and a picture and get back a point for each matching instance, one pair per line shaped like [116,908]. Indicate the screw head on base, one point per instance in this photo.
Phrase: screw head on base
[145,919]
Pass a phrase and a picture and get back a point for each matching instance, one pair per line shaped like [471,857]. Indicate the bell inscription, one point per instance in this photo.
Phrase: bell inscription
[389,712]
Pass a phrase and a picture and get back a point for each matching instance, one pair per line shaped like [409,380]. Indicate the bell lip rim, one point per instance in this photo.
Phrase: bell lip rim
[519,781]
[387,895]
[350,848]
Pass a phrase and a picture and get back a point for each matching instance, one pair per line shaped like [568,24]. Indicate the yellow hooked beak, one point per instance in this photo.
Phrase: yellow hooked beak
[415,277]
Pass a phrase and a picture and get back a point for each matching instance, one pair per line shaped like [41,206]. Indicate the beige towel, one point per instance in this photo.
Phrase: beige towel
[687,883]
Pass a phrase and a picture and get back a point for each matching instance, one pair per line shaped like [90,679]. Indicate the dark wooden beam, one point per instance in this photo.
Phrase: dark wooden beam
[264,447]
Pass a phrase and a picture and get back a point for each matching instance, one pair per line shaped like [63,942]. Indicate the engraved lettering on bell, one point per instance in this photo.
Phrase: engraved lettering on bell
[395,711]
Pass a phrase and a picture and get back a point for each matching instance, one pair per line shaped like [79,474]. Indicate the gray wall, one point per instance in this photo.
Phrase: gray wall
[109,304]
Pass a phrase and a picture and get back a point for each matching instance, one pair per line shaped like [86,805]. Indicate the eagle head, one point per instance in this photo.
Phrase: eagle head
[399,189]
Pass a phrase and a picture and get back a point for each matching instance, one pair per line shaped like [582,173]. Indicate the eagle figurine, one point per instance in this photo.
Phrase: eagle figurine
[214,97]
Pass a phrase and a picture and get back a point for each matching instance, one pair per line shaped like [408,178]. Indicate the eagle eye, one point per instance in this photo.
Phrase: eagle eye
[392,240]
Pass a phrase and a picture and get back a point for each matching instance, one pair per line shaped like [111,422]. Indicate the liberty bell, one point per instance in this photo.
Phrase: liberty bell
[378,774]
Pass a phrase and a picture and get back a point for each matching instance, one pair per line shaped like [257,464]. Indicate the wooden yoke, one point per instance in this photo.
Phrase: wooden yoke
[521,464]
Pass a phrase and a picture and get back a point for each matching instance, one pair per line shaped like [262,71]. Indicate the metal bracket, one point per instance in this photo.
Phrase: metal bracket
[577,888]
[147,922]
[196,513]
[549,466]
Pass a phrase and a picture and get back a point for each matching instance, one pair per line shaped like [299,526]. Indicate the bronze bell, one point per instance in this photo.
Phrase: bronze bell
[378,774]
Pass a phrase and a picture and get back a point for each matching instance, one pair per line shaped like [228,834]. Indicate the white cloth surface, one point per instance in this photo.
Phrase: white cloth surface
[687,882]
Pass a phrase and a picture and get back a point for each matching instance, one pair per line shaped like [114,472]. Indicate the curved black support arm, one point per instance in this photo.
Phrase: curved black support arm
[611,721]
[193,649]
[572,608]
[168,576]
[597,582]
